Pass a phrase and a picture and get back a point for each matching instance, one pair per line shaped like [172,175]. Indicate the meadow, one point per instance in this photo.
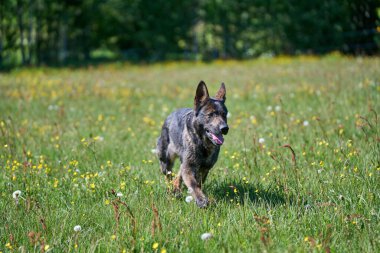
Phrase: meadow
[299,170]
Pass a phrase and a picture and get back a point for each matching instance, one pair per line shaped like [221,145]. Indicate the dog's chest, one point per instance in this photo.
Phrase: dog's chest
[207,159]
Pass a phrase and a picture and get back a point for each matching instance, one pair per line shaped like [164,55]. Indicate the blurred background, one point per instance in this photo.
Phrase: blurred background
[73,32]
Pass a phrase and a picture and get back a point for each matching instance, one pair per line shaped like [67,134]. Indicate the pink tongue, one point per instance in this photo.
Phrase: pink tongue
[217,140]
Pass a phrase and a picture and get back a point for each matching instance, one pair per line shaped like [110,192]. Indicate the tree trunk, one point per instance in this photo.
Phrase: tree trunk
[2,34]
[30,32]
[21,29]
[38,33]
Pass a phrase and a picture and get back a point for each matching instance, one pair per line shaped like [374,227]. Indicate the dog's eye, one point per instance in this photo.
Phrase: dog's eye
[211,114]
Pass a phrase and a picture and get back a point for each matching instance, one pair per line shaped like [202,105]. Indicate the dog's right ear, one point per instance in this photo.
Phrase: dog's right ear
[201,96]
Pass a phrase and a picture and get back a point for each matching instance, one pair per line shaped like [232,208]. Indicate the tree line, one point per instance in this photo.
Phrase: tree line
[52,32]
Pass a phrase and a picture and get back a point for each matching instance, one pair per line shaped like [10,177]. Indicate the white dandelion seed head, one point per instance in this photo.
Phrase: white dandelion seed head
[16,194]
[269,108]
[228,115]
[189,199]
[77,228]
[119,194]
[305,123]
[277,108]
[206,236]
[153,150]
[261,140]
[53,107]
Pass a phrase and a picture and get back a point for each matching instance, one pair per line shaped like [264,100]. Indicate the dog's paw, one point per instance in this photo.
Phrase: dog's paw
[202,202]
[177,193]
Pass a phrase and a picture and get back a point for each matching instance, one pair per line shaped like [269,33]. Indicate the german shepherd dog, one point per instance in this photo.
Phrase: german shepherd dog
[195,136]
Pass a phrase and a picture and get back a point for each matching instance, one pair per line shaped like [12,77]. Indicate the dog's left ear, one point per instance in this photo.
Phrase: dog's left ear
[221,94]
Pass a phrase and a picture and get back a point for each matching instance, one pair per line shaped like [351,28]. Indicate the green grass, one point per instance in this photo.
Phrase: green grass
[71,138]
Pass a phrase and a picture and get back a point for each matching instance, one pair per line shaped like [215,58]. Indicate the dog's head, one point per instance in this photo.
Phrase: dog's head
[211,113]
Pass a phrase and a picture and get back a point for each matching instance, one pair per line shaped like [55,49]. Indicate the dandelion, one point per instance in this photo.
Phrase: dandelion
[155,246]
[77,228]
[305,123]
[206,236]
[253,120]
[113,237]
[269,108]
[46,247]
[119,194]
[189,199]
[277,108]
[98,138]
[53,107]
[16,194]
[261,140]
[9,246]
[228,115]
[163,250]
[153,150]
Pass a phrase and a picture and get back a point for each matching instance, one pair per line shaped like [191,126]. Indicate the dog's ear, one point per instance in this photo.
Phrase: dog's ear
[221,94]
[201,96]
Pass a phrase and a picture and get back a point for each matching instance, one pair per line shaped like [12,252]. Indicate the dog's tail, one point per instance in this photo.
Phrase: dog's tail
[162,150]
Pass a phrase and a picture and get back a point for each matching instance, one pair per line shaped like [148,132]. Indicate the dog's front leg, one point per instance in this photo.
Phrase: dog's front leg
[188,176]
[177,185]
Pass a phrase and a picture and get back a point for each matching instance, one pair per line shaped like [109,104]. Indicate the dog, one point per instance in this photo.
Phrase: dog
[195,135]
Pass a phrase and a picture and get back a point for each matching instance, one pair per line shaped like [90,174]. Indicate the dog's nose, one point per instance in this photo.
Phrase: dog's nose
[224,129]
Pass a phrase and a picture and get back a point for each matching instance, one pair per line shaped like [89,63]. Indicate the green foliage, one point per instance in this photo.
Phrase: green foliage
[60,32]
[71,139]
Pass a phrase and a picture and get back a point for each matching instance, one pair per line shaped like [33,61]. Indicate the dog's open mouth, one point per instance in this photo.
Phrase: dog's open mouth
[215,139]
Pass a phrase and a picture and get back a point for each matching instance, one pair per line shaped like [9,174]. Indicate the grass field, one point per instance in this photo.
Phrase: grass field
[78,144]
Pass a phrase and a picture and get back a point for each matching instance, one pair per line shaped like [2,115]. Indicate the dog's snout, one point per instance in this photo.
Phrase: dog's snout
[224,129]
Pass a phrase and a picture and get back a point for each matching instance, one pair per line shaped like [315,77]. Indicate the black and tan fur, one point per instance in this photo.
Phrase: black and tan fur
[195,136]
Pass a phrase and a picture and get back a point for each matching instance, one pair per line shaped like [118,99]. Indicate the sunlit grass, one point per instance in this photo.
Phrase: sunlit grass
[78,145]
